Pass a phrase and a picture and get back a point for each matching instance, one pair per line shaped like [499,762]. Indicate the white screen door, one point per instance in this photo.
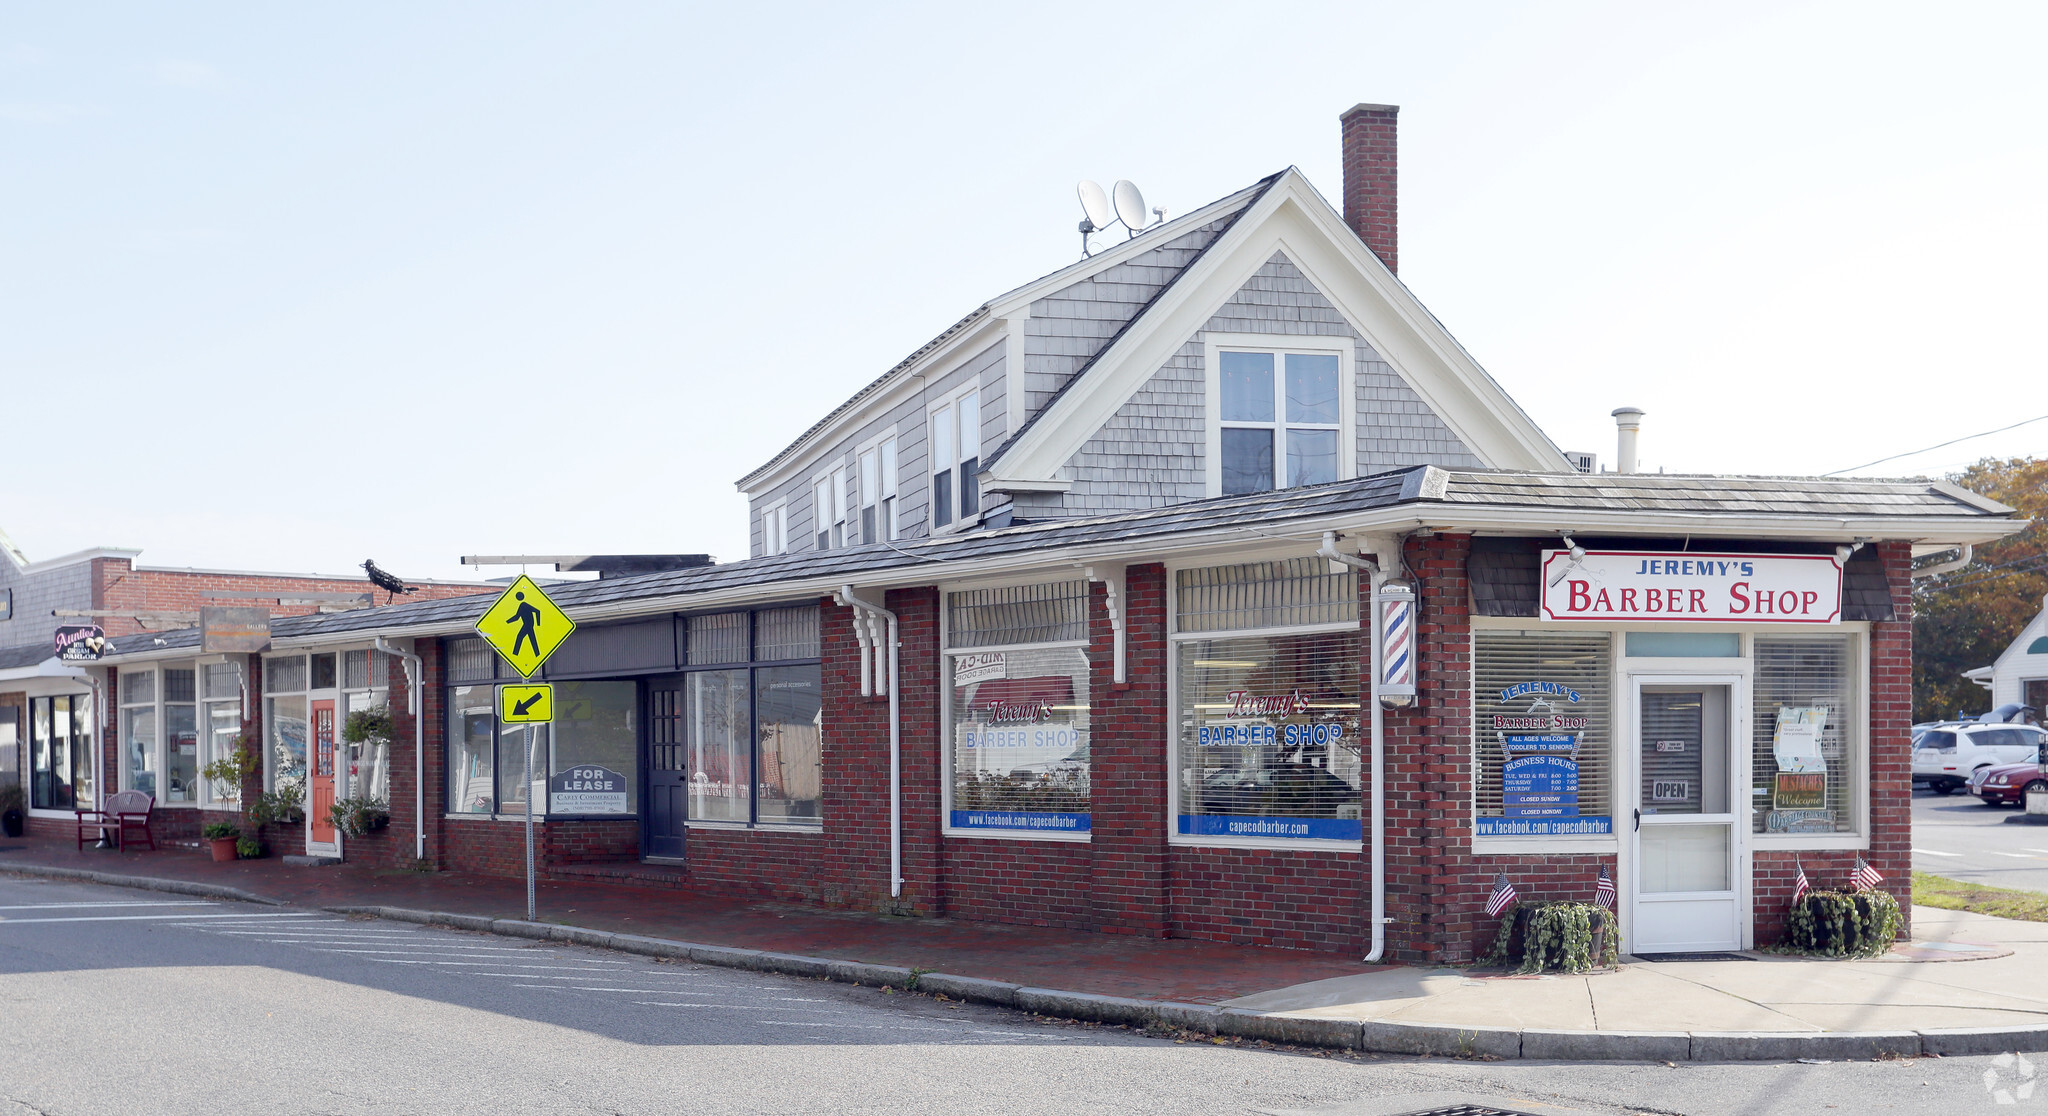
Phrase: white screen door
[1686,890]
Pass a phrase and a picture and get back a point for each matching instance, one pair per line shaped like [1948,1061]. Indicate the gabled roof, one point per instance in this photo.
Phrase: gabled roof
[1419,498]
[1288,216]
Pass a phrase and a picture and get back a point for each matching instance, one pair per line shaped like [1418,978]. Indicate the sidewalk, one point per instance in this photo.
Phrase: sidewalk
[1967,984]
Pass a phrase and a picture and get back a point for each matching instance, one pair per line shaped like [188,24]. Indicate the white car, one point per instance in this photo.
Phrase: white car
[1946,755]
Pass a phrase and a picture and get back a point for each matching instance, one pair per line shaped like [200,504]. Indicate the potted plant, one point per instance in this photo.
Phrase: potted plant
[358,816]
[222,836]
[12,816]
[229,773]
[284,806]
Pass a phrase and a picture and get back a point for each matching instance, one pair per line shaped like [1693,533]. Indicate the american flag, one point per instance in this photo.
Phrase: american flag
[1503,895]
[1864,877]
[1603,890]
[1799,886]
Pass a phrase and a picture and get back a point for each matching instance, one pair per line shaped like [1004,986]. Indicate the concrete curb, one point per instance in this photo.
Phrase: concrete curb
[145,883]
[1375,1036]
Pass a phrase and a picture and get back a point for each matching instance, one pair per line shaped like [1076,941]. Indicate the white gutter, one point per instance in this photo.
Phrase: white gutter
[871,612]
[1963,555]
[1379,748]
[419,745]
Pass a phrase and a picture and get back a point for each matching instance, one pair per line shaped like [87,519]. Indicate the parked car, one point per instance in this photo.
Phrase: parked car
[1945,756]
[2008,784]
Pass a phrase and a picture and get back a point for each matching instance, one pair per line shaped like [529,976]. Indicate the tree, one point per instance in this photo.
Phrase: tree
[1964,619]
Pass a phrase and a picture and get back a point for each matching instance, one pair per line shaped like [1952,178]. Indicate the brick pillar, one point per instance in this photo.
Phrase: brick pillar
[1430,877]
[917,704]
[1891,732]
[1127,743]
[1370,178]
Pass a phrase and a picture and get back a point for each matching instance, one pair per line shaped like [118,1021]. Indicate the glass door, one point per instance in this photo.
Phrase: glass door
[1687,889]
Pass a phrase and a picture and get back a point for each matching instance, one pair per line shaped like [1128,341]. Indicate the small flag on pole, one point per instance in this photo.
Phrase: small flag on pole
[1603,890]
[1864,877]
[1503,895]
[1799,886]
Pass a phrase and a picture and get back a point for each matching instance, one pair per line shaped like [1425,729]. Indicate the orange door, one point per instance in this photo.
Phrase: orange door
[321,801]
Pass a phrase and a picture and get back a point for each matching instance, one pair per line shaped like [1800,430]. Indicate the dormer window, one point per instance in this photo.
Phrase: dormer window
[1280,419]
[878,491]
[956,458]
[828,509]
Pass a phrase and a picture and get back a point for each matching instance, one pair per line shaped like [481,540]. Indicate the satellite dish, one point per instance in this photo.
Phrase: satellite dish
[1130,205]
[1094,203]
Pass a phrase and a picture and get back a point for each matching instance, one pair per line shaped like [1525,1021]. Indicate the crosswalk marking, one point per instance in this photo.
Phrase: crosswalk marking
[69,906]
[137,918]
[1932,852]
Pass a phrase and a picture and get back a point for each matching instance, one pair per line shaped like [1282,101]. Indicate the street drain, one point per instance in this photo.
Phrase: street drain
[1468,1110]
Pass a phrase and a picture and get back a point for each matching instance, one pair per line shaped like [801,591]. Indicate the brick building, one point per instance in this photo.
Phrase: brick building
[1205,587]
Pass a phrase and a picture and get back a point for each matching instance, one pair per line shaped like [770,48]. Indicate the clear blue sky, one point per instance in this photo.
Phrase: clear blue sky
[285,287]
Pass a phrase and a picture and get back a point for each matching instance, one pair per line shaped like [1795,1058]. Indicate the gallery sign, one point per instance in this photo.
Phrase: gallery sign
[1610,585]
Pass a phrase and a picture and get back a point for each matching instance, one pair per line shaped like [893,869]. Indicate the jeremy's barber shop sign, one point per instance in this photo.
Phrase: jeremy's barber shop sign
[1609,585]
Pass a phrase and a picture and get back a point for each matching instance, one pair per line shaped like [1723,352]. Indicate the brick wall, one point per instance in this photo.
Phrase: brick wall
[119,585]
[1371,197]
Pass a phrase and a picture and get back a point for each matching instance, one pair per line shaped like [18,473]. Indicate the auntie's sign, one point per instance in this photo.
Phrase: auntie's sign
[1611,585]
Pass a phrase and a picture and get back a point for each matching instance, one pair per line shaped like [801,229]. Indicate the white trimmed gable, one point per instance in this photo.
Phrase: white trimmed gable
[2024,659]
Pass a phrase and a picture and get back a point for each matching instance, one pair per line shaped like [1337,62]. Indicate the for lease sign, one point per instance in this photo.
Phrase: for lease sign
[1689,585]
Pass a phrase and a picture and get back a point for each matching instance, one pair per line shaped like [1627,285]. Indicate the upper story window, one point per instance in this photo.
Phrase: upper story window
[956,458]
[775,529]
[878,491]
[1280,419]
[828,509]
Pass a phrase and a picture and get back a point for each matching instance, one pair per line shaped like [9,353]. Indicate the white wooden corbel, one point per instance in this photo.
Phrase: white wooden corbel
[1112,579]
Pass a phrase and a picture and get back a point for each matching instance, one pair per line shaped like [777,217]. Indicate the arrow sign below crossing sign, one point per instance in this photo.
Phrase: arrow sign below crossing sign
[525,626]
[526,705]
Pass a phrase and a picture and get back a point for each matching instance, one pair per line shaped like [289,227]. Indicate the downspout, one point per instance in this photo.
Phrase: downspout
[1962,558]
[1379,745]
[873,613]
[419,746]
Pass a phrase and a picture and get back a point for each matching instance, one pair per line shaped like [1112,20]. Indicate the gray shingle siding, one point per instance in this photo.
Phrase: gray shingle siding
[36,594]
[1067,328]
[913,485]
[1152,452]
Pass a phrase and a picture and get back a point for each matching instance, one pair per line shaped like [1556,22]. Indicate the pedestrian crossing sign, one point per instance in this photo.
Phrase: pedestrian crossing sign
[526,705]
[525,626]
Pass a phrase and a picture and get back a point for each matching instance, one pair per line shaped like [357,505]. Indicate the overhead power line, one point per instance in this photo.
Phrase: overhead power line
[1950,442]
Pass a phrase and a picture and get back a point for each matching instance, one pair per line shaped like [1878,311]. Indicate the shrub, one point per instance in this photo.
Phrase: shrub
[248,847]
[1554,935]
[216,831]
[357,816]
[1843,923]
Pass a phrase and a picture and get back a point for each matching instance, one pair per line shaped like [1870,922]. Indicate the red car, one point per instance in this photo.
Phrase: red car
[2007,784]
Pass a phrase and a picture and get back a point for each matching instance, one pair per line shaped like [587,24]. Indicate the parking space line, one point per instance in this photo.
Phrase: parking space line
[139,918]
[1933,852]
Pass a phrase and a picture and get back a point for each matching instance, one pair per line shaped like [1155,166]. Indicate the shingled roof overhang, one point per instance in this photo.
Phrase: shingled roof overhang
[1930,514]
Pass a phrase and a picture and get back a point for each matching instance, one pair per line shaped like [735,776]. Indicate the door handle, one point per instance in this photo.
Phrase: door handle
[1639,819]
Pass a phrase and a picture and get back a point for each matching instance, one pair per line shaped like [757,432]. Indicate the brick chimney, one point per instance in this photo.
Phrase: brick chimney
[1370,163]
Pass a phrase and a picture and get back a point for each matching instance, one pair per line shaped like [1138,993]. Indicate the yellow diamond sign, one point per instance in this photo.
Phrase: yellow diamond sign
[525,626]
[526,705]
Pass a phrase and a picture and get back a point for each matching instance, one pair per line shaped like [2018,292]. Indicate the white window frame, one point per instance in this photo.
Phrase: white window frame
[1176,640]
[886,497]
[155,705]
[775,528]
[207,798]
[947,409]
[1214,344]
[830,519]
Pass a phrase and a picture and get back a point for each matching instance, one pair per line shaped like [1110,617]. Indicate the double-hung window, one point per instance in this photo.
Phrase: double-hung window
[160,734]
[878,491]
[775,529]
[220,727]
[1280,418]
[828,509]
[956,458]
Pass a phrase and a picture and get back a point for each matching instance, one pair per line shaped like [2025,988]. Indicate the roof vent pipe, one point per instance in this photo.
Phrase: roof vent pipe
[1628,422]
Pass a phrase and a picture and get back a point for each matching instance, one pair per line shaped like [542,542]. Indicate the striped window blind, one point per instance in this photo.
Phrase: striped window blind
[1806,671]
[1051,612]
[1579,662]
[1285,594]
[469,660]
[718,638]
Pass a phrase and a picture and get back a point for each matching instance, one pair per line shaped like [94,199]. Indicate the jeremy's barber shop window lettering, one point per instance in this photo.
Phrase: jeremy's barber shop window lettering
[1269,730]
[1542,736]
[1017,661]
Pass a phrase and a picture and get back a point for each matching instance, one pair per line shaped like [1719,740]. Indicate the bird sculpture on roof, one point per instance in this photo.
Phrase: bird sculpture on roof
[386,581]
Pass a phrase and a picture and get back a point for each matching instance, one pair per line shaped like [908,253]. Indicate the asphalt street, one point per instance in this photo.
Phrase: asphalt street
[1959,837]
[118,1001]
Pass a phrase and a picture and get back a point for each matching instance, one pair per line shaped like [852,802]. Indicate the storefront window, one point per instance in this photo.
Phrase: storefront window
[138,730]
[472,749]
[181,735]
[220,726]
[1542,747]
[1017,667]
[715,718]
[592,765]
[788,714]
[1269,745]
[60,752]
[1807,745]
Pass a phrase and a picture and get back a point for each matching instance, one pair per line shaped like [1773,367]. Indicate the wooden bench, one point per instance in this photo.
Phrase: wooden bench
[121,812]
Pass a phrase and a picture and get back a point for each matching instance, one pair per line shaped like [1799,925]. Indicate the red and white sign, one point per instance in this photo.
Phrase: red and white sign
[1609,585]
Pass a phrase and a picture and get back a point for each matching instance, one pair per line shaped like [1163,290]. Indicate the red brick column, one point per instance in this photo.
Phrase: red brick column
[1127,743]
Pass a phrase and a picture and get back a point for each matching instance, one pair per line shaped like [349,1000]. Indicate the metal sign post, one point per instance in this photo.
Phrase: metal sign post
[526,627]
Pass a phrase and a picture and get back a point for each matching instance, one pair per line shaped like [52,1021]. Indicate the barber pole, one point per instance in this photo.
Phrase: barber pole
[1395,604]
